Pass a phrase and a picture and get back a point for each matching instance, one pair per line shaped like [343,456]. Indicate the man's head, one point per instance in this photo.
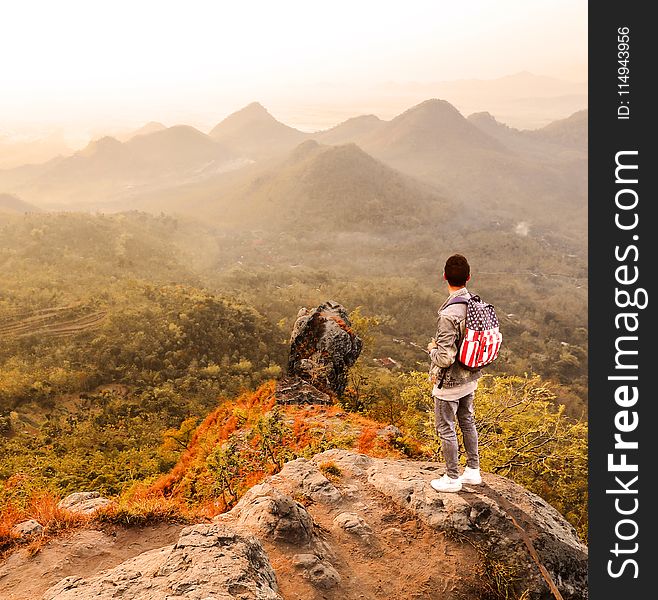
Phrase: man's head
[457,271]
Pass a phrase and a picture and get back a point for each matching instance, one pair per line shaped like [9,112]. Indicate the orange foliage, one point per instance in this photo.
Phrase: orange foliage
[300,430]
[216,429]
[190,477]
[211,508]
[229,427]
[143,509]
[366,440]
[42,507]
[9,516]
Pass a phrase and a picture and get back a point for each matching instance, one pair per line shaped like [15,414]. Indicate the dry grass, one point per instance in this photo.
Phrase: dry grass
[133,510]
[9,517]
[137,512]
[331,471]
[42,507]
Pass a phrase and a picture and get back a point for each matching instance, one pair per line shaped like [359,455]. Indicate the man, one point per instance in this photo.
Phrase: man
[454,385]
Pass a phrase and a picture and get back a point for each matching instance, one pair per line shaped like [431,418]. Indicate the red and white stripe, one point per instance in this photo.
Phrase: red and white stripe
[479,348]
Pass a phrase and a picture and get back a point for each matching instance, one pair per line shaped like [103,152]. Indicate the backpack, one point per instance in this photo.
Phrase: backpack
[482,339]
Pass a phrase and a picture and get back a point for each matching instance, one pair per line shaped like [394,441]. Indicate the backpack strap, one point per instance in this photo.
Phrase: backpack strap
[462,300]
[456,300]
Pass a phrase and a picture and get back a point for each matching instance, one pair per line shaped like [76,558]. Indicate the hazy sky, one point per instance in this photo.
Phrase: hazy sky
[84,61]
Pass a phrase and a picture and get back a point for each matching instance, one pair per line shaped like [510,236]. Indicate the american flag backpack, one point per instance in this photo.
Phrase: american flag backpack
[482,338]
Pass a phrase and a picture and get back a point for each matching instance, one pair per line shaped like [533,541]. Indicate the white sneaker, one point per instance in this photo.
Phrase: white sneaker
[446,484]
[471,476]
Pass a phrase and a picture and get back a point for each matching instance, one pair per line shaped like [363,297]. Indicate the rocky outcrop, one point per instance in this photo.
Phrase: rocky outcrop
[84,503]
[26,529]
[323,347]
[207,561]
[268,513]
[510,524]
[294,390]
[346,526]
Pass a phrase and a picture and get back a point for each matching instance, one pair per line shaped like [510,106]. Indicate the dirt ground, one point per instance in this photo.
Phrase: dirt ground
[83,553]
[403,559]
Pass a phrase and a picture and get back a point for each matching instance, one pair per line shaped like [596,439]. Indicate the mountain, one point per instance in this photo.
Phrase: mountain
[108,169]
[253,132]
[329,188]
[351,130]
[497,180]
[565,138]
[433,126]
[498,173]
[12,204]
[523,99]
[487,123]
[570,132]
[176,148]
[150,127]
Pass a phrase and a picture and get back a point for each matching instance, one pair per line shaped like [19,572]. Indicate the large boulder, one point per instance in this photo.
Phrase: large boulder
[208,561]
[84,503]
[323,347]
[294,390]
[26,529]
[268,513]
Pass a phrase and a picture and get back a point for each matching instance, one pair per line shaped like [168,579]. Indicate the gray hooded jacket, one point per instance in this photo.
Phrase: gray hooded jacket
[450,327]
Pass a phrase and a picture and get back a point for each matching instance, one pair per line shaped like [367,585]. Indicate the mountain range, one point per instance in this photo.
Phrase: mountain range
[252,169]
[107,168]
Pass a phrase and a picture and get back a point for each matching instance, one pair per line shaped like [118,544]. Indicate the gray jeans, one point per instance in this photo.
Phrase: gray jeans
[445,412]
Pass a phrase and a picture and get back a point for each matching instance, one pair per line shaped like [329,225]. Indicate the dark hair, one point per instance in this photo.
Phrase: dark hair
[457,270]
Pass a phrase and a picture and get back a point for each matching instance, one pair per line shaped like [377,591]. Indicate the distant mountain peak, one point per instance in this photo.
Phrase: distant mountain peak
[435,112]
[179,130]
[434,124]
[150,127]
[104,144]
[253,111]
[353,129]
[571,131]
[303,150]
[435,105]
[482,117]
[488,123]
[252,130]
[255,107]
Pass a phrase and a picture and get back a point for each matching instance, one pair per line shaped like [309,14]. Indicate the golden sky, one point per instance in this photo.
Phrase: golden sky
[84,61]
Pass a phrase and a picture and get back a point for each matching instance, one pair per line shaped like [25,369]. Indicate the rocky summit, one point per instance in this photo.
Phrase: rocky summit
[346,526]
[323,347]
